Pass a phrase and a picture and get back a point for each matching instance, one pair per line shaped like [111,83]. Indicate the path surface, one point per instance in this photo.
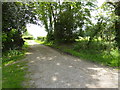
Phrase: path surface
[50,69]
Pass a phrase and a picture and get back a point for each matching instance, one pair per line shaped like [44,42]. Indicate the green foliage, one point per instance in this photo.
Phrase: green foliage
[12,55]
[14,69]
[61,20]
[15,16]
[41,38]
[39,41]
[102,58]
[98,52]
[11,40]
[4,36]
[26,34]
[113,9]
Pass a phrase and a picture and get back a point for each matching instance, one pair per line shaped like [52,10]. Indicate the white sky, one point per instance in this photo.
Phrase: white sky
[36,30]
[100,2]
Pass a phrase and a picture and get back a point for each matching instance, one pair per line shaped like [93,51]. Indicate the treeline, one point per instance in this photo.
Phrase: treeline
[63,21]
[67,21]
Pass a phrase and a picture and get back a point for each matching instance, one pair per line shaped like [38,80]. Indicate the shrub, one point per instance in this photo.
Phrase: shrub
[28,37]
[11,55]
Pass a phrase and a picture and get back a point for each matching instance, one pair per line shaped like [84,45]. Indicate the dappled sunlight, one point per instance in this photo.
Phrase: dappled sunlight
[68,84]
[62,81]
[70,66]
[58,64]
[102,78]
[91,86]
[93,76]
[54,78]
[37,57]
[18,65]
[32,61]
[95,68]
[28,53]
[22,68]
[10,62]
[43,58]
[58,70]
[50,58]
[77,60]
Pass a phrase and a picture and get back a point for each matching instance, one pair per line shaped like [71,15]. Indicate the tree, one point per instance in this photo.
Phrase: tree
[15,16]
[97,29]
[61,20]
[117,21]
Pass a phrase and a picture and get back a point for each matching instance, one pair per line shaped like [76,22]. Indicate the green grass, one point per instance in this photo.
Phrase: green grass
[13,75]
[98,52]
[13,69]
[101,58]
[39,41]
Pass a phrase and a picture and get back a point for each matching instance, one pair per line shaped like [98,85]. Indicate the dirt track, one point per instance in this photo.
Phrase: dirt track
[50,69]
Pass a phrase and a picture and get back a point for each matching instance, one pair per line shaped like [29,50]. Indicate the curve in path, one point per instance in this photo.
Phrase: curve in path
[50,69]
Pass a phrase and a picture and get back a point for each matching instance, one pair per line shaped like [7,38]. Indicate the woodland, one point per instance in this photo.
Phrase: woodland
[65,22]
[81,29]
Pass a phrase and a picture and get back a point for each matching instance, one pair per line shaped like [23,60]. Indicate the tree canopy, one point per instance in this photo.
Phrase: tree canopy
[63,21]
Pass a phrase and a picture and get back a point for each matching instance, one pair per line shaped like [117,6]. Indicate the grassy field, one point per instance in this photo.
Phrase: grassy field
[13,68]
[98,52]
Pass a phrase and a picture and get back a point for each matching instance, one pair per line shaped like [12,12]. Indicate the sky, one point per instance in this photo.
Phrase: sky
[37,30]
[100,2]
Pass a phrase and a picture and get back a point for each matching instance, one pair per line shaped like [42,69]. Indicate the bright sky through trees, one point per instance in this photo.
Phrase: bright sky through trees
[37,30]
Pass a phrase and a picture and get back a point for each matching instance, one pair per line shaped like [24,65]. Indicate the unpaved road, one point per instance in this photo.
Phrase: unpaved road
[50,69]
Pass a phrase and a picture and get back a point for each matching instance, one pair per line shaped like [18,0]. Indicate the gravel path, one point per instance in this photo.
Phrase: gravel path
[50,69]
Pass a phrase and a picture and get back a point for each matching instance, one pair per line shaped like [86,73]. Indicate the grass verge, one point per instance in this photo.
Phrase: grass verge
[14,68]
[13,75]
[95,53]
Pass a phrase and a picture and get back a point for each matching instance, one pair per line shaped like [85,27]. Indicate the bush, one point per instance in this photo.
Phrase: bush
[41,38]
[11,55]
[11,40]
